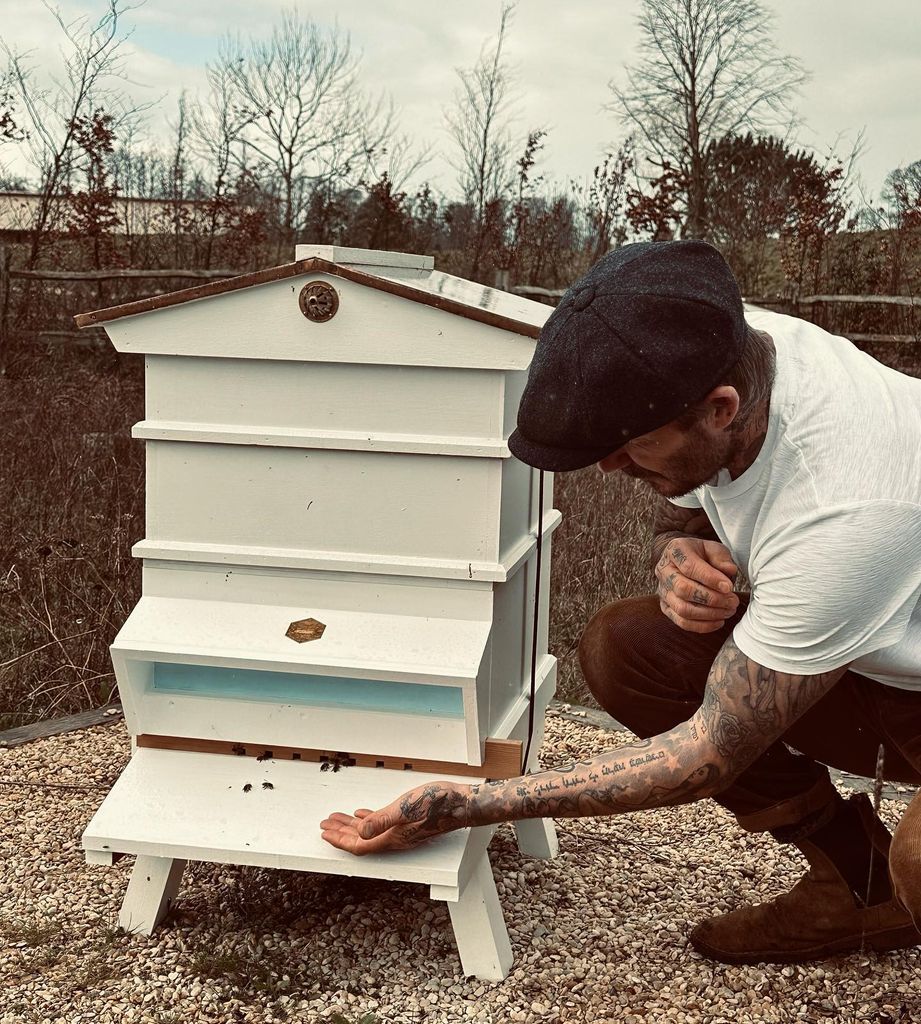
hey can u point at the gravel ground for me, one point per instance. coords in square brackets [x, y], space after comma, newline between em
[599, 934]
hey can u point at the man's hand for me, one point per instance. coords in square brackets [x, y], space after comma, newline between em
[695, 583]
[411, 819]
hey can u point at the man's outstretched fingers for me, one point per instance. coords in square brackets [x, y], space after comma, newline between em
[336, 818]
[343, 832]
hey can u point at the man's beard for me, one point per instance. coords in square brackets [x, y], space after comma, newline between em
[696, 464]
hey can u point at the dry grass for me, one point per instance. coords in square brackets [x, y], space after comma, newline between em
[71, 481]
[600, 554]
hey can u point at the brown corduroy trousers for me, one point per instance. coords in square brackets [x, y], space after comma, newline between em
[650, 675]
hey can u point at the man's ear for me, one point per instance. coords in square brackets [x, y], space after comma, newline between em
[722, 406]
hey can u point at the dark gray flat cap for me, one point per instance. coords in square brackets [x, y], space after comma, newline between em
[648, 331]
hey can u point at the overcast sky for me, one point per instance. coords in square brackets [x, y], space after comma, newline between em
[865, 62]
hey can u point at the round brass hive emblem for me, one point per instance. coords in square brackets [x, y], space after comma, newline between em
[318, 301]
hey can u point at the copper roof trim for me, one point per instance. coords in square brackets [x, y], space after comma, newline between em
[313, 265]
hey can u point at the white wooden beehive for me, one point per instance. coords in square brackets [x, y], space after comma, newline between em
[353, 472]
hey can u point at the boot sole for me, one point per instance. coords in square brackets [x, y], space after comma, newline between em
[879, 942]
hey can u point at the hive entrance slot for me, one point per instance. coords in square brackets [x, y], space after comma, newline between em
[502, 759]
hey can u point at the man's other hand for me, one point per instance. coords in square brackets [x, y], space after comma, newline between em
[695, 584]
[411, 819]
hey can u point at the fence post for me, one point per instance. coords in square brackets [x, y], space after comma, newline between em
[5, 256]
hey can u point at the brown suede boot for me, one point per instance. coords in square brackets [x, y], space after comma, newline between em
[905, 859]
[820, 917]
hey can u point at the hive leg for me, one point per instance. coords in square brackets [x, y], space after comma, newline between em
[479, 926]
[151, 890]
[537, 838]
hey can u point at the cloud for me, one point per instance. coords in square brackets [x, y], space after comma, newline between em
[865, 64]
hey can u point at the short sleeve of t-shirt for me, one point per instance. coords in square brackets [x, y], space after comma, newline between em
[833, 586]
[687, 501]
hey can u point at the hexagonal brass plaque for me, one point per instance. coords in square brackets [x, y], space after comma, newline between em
[305, 629]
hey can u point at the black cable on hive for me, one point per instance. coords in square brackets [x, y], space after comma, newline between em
[540, 531]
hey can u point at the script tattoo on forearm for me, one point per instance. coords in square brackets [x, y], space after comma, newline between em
[745, 709]
[649, 773]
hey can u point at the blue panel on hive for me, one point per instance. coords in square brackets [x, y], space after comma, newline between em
[318, 691]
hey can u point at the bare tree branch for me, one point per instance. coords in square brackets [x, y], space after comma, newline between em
[92, 60]
[300, 109]
[479, 126]
[708, 69]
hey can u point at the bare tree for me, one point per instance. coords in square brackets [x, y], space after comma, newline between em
[216, 127]
[708, 68]
[400, 159]
[479, 125]
[92, 59]
[176, 213]
[603, 201]
[306, 117]
[139, 171]
[901, 216]
[384, 217]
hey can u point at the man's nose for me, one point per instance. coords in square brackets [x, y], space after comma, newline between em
[616, 460]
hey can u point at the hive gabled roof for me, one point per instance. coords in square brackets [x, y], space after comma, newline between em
[456, 295]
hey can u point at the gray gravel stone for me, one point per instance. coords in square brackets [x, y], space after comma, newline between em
[599, 934]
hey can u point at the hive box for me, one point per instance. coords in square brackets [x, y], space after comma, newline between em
[339, 575]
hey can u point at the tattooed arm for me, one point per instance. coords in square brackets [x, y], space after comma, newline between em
[746, 707]
[673, 521]
[694, 571]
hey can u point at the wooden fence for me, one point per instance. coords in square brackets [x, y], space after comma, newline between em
[809, 306]
[8, 275]
[806, 306]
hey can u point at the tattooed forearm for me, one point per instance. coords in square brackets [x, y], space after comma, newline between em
[745, 709]
[649, 773]
[436, 808]
[746, 706]
[672, 521]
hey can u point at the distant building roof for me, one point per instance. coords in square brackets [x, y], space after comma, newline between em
[138, 215]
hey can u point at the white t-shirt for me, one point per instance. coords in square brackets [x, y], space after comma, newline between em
[827, 521]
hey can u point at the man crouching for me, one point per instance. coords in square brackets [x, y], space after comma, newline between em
[780, 450]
